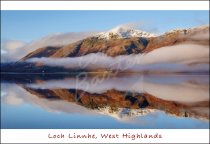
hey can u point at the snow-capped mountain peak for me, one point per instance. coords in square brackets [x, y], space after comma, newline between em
[124, 114]
[123, 32]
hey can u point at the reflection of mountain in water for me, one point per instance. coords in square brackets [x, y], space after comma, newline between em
[120, 101]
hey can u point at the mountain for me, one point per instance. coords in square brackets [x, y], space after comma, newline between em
[121, 41]
[185, 47]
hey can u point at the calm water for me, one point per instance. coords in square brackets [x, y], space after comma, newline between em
[105, 101]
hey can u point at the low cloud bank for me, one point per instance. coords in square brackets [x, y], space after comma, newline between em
[13, 50]
[177, 58]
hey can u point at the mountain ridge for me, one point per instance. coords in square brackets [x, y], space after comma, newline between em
[122, 45]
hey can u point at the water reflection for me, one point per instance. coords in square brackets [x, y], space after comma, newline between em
[105, 101]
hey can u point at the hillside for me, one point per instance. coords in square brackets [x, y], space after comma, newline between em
[124, 42]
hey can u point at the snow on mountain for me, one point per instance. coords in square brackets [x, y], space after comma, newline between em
[124, 114]
[123, 32]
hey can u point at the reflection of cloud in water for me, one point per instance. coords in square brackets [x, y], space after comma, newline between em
[192, 88]
[3, 93]
[12, 99]
[15, 93]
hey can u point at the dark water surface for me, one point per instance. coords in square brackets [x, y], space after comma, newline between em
[104, 101]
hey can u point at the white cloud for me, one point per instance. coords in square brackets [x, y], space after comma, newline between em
[13, 50]
[13, 45]
[131, 25]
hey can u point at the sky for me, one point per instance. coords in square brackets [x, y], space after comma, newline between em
[25, 31]
[30, 25]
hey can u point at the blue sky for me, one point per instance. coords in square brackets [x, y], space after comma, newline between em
[29, 25]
